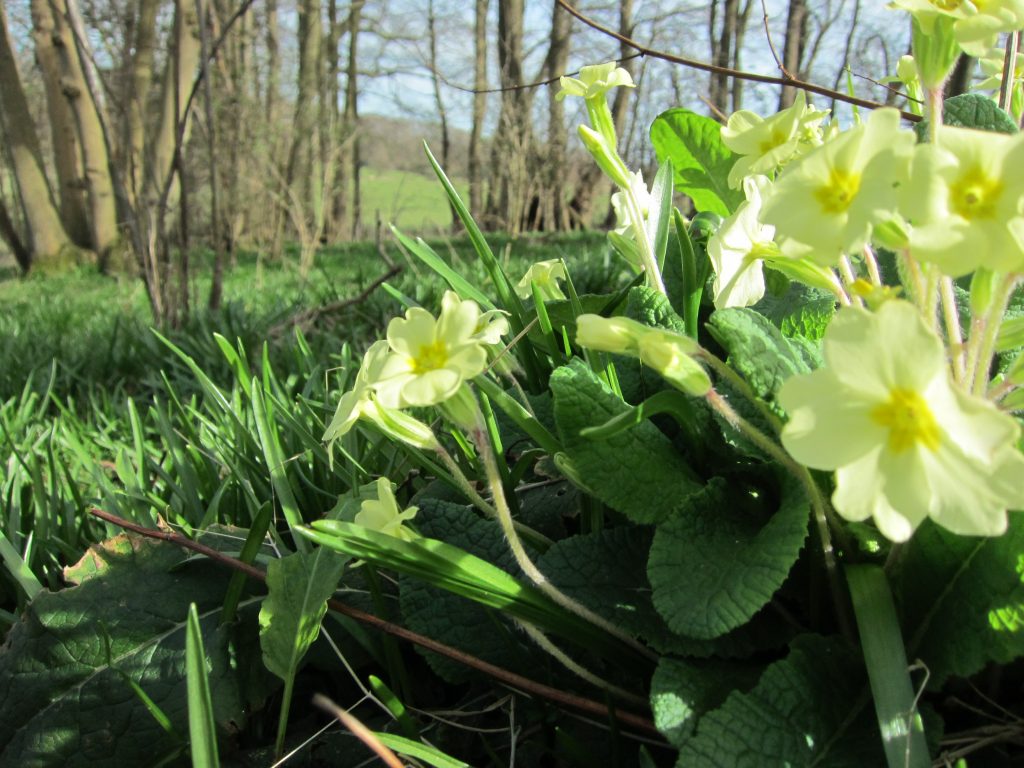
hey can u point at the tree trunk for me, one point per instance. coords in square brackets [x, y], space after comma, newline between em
[330, 122]
[352, 113]
[95, 159]
[138, 64]
[9, 234]
[555, 215]
[66, 151]
[476, 152]
[792, 55]
[49, 243]
[737, 56]
[446, 143]
[722, 51]
[512, 141]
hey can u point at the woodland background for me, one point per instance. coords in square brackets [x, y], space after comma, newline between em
[165, 135]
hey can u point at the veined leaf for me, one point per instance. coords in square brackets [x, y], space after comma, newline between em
[701, 161]
[717, 561]
[63, 701]
[636, 472]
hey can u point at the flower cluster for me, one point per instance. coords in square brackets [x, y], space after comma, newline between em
[906, 443]
[423, 361]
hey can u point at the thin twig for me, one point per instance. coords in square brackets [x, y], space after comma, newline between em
[511, 679]
[706, 67]
[771, 45]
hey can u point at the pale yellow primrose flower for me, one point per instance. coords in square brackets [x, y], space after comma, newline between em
[545, 274]
[595, 81]
[431, 358]
[382, 514]
[828, 200]
[738, 248]
[964, 201]
[766, 144]
[360, 403]
[904, 441]
[666, 352]
[623, 223]
[975, 24]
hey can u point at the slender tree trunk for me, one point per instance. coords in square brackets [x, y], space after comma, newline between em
[722, 50]
[66, 151]
[49, 243]
[446, 143]
[352, 113]
[476, 152]
[138, 64]
[555, 213]
[330, 122]
[95, 159]
[792, 55]
[737, 56]
[512, 142]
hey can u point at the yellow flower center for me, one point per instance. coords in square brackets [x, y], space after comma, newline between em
[431, 357]
[909, 420]
[777, 139]
[975, 195]
[838, 194]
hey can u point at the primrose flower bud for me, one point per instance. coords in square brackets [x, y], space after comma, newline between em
[604, 155]
[666, 352]
[545, 275]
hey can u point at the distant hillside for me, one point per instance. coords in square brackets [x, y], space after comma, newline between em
[397, 145]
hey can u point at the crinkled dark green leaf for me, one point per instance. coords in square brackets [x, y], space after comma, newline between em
[757, 349]
[682, 691]
[801, 311]
[607, 572]
[298, 588]
[963, 599]
[718, 561]
[807, 710]
[701, 161]
[971, 110]
[652, 308]
[64, 701]
[455, 620]
[637, 472]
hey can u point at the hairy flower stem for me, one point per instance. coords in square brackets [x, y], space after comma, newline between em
[741, 386]
[579, 670]
[849, 278]
[871, 263]
[523, 560]
[478, 501]
[647, 257]
[954, 337]
[987, 329]
[818, 504]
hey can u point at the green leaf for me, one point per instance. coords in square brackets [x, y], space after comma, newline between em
[717, 561]
[424, 752]
[806, 710]
[201, 729]
[459, 284]
[801, 311]
[607, 572]
[971, 110]
[702, 162]
[652, 308]
[757, 349]
[683, 691]
[298, 588]
[455, 620]
[636, 472]
[963, 599]
[63, 701]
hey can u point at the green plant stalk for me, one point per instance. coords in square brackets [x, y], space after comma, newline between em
[955, 338]
[720, 367]
[542, 641]
[990, 322]
[817, 501]
[523, 559]
[692, 287]
[19, 569]
[647, 255]
[251, 548]
[886, 660]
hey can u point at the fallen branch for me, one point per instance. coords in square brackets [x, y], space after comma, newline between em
[511, 679]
